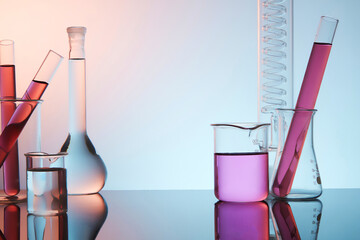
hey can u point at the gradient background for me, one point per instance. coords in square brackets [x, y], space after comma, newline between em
[160, 72]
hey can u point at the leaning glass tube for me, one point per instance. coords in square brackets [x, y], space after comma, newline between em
[275, 60]
[310, 87]
[23, 112]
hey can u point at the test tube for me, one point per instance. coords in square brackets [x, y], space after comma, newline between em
[310, 87]
[8, 91]
[23, 112]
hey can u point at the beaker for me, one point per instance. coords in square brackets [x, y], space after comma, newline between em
[12, 187]
[46, 183]
[302, 181]
[241, 220]
[53, 227]
[241, 161]
[296, 219]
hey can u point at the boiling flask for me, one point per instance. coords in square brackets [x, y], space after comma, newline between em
[86, 170]
[307, 182]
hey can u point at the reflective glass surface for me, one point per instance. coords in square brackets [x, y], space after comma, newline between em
[188, 214]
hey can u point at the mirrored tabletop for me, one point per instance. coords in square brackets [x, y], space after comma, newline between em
[187, 214]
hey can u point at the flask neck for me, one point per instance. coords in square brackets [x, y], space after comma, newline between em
[77, 81]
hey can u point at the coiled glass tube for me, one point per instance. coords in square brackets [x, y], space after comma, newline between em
[275, 57]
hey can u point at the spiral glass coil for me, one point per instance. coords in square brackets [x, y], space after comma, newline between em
[275, 56]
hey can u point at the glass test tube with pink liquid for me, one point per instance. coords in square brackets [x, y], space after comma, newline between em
[295, 139]
[22, 113]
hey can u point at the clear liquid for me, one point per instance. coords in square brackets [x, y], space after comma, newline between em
[86, 170]
[46, 191]
[300, 122]
[47, 227]
[241, 177]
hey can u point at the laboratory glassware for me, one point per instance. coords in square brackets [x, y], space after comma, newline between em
[306, 182]
[23, 112]
[54, 227]
[29, 140]
[241, 161]
[46, 183]
[241, 220]
[307, 98]
[296, 219]
[8, 91]
[86, 170]
[275, 61]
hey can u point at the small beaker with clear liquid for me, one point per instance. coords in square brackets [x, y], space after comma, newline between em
[291, 181]
[46, 183]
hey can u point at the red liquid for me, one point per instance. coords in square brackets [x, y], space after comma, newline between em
[20, 117]
[300, 123]
[12, 222]
[285, 221]
[11, 166]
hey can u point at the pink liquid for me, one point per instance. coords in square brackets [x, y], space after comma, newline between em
[300, 123]
[11, 165]
[241, 177]
[241, 221]
[285, 221]
[20, 117]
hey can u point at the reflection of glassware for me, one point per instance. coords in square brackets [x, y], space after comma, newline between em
[11, 217]
[241, 220]
[86, 170]
[29, 140]
[46, 183]
[12, 222]
[296, 219]
[8, 91]
[307, 97]
[53, 227]
[307, 182]
[275, 59]
[86, 210]
[241, 162]
[23, 112]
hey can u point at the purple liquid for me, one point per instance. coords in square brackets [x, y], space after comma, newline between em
[285, 221]
[241, 221]
[20, 117]
[11, 166]
[241, 177]
[300, 123]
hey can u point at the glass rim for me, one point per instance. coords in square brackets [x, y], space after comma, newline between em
[20, 100]
[242, 125]
[297, 110]
[44, 154]
[6, 42]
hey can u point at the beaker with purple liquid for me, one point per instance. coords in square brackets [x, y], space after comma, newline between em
[241, 161]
